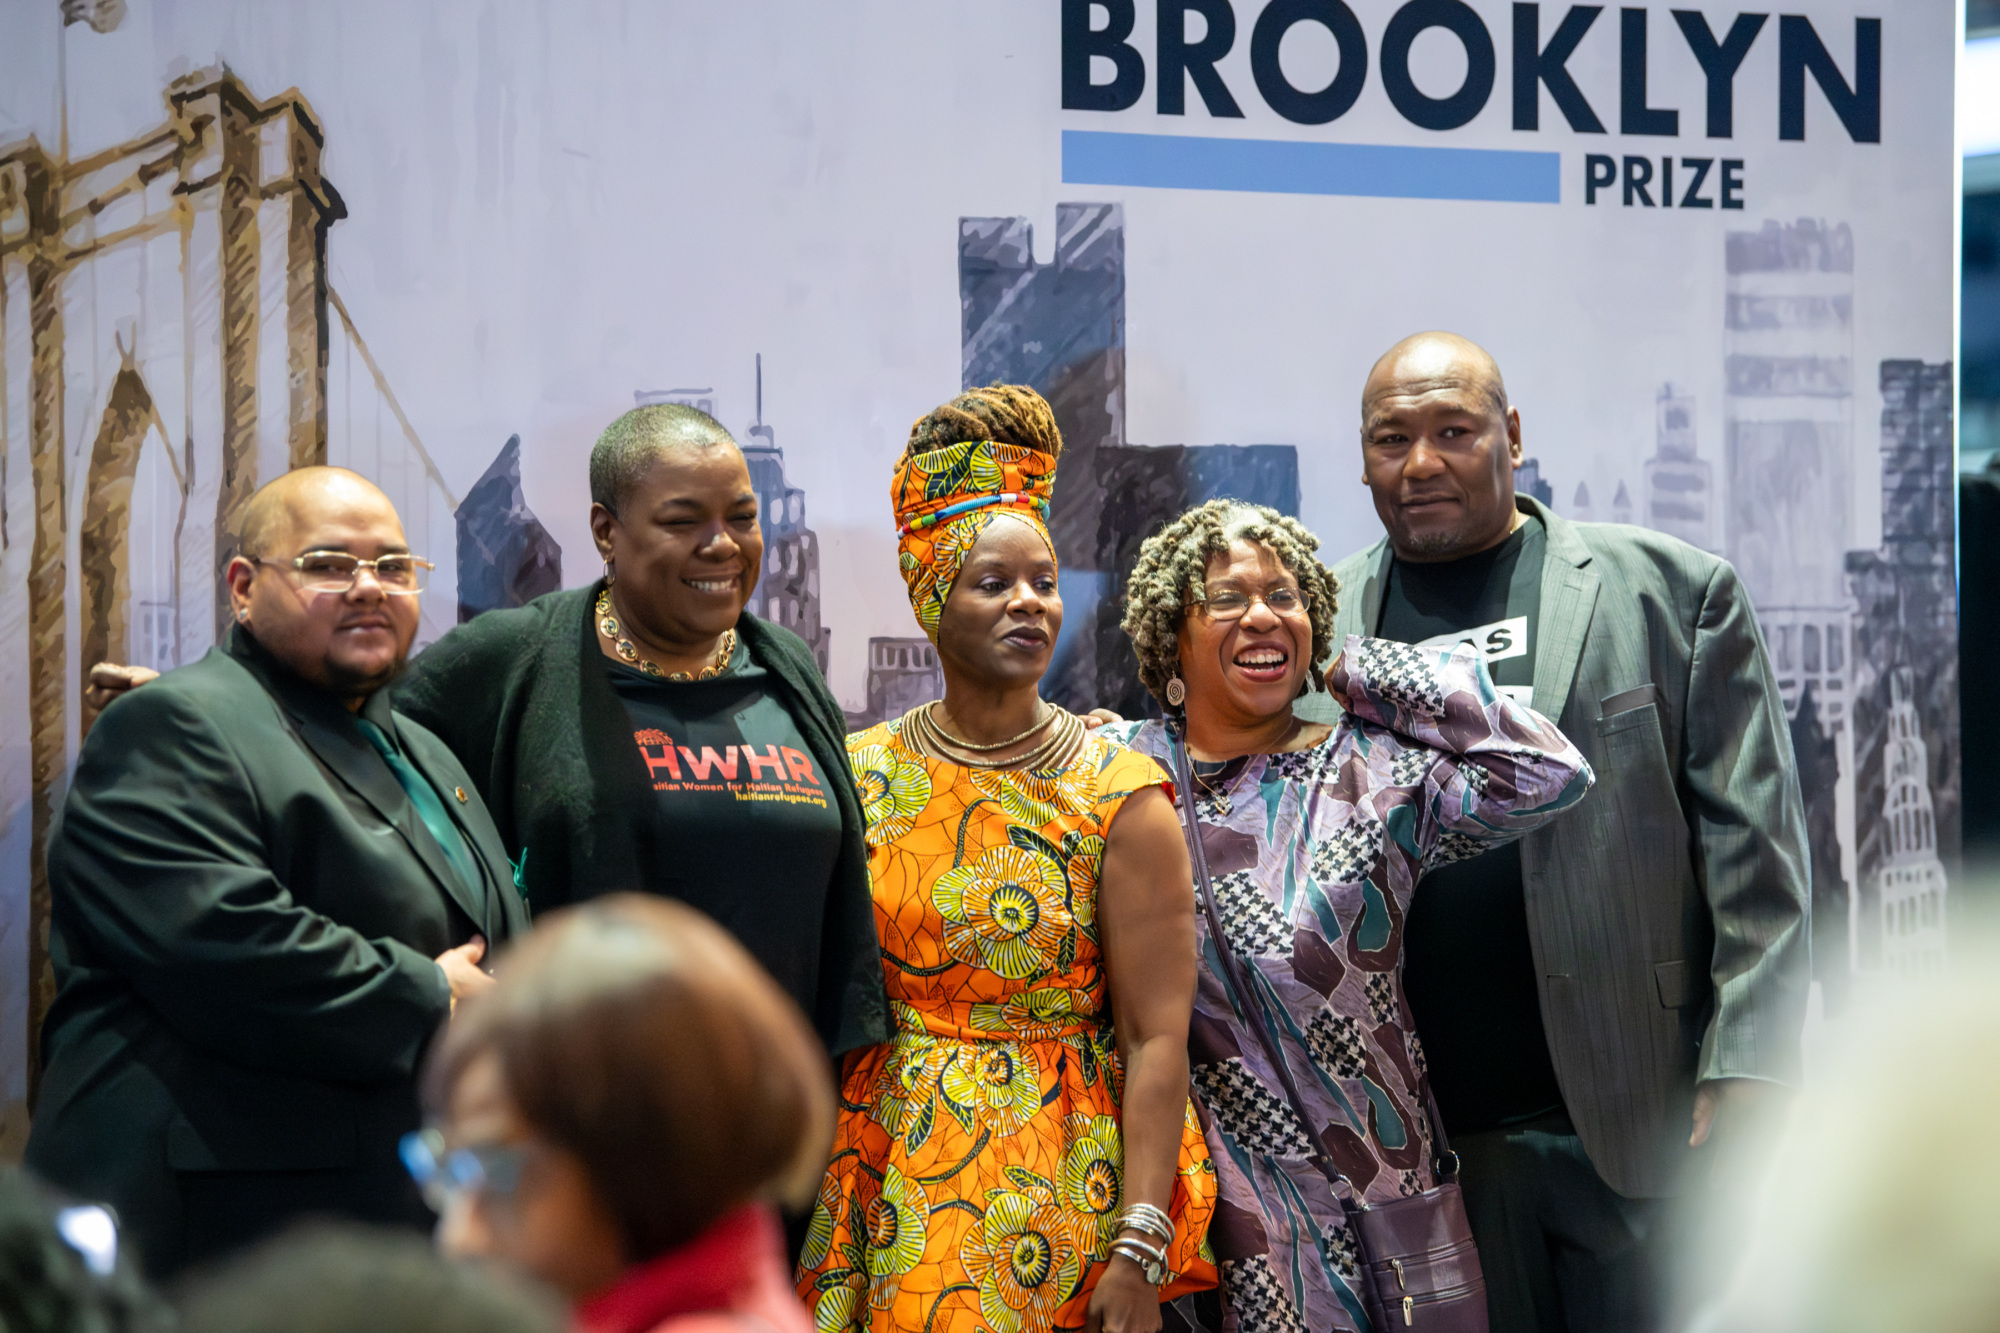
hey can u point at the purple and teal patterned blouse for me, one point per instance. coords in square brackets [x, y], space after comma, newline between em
[1314, 857]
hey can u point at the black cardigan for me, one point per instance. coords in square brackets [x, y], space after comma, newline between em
[522, 698]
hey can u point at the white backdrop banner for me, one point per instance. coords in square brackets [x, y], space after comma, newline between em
[445, 244]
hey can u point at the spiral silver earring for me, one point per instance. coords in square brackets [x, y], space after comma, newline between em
[1176, 691]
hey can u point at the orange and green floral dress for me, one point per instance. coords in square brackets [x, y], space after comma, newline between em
[978, 1170]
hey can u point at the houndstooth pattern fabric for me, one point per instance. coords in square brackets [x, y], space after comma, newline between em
[1247, 1111]
[1296, 765]
[1256, 1297]
[1315, 922]
[1348, 853]
[1381, 992]
[1409, 767]
[1342, 1251]
[1453, 847]
[1404, 676]
[1335, 1041]
[1250, 919]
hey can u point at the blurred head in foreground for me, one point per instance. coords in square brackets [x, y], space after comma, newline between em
[631, 1079]
[1878, 1206]
[61, 1270]
[348, 1279]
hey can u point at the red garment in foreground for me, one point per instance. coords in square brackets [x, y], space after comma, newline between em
[732, 1278]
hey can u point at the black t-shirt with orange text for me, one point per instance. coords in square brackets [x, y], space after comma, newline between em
[741, 799]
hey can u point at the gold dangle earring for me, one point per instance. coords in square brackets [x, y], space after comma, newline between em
[610, 574]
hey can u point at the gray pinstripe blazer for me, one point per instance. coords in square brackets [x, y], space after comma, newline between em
[1668, 911]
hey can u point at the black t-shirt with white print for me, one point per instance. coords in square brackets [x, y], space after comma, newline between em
[1469, 970]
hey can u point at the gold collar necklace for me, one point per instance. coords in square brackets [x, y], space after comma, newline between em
[628, 652]
[1045, 715]
[1056, 750]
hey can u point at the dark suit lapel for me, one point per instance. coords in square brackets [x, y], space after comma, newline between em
[481, 833]
[1569, 597]
[482, 839]
[347, 752]
[474, 899]
[329, 732]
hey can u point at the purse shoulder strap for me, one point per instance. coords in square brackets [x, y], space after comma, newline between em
[1233, 976]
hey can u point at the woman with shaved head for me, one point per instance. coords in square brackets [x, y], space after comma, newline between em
[649, 731]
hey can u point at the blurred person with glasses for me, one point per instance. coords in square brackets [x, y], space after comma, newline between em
[269, 889]
[621, 1116]
[1315, 835]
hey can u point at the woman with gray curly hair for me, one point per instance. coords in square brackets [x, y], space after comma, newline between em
[1315, 836]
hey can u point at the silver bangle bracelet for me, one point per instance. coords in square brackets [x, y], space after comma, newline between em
[1152, 1262]
[1149, 1219]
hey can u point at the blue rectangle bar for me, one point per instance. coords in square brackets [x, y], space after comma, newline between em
[1277, 166]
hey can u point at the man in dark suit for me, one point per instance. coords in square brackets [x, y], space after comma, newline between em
[268, 891]
[1597, 999]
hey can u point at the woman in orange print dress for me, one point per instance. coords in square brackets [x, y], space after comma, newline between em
[1021, 1155]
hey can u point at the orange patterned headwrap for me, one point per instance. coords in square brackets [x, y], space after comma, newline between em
[946, 497]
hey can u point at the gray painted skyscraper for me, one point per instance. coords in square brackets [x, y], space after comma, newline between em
[505, 556]
[1060, 328]
[1528, 480]
[1905, 681]
[788, 590]
[1679, 483]
[1788, 372]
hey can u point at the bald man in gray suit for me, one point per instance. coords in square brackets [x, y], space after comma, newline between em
[1601, 998]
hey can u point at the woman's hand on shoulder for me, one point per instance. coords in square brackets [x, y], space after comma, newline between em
[1336, 681]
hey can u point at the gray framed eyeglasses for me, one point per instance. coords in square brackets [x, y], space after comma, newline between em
[336, 571]
[1234, 603]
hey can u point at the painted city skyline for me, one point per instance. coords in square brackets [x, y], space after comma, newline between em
[398, 243]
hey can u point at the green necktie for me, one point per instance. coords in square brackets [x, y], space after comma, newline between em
[430, 807]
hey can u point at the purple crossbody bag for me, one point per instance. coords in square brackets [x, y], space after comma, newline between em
[1419, 1267]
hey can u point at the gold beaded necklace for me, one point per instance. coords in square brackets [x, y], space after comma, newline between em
[628, 652]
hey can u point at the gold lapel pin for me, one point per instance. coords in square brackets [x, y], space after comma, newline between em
[459, 792]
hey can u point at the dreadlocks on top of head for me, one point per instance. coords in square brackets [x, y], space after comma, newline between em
[1003, 413]
[1172, 570]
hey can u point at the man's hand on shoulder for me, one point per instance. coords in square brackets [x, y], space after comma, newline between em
[110, 680]
[461, 969]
